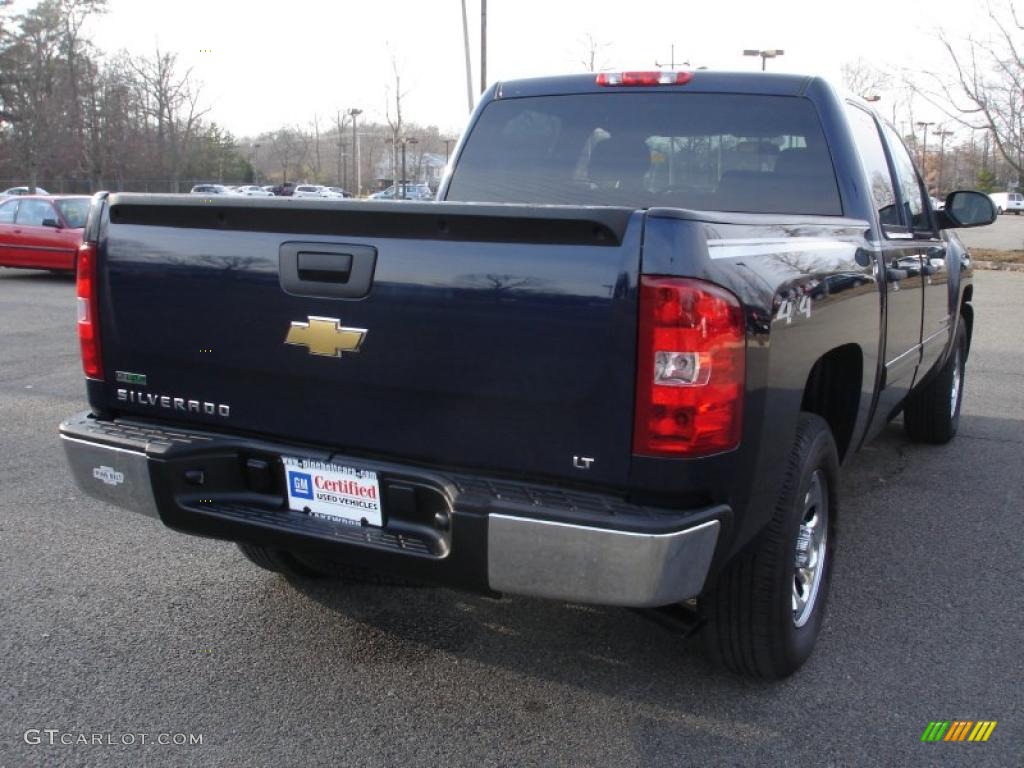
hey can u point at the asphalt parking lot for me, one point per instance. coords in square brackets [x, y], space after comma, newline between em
[110, 624]
[1007, 233]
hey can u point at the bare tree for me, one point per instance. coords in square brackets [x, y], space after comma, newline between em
[395, 122]
[315, 149]
[289, 151]
[986, 90]
[863, 79]
[592, 53]
[340, 121]
[172, 100]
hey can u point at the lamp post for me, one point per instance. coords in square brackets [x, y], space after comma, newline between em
[406, 140]
[769, 53]
[483, 45]
[354, 113]
[447, 152]
[343, 151]
[924, 144]
[942, 134]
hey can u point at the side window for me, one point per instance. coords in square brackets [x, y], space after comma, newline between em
[7, 211]
[33, 212]
[910, 186]
[872, 153]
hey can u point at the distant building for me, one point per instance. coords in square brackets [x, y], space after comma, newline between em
[425, 167]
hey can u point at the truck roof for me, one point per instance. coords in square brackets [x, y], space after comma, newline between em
[704, 81]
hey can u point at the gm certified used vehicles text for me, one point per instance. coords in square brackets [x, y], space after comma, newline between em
[620, 361]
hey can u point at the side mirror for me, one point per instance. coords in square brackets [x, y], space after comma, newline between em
[51, 223]
[965, 208]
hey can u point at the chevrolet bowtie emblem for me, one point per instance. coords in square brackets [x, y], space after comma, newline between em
[325, 336]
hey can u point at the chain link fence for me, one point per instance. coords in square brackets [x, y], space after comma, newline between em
[85, 187]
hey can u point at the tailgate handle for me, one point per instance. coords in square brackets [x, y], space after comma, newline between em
[325, 267]
[327, 270]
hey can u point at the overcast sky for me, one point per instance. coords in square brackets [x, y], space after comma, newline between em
[265, 63]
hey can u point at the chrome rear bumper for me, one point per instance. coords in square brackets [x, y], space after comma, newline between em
[494, 540]
[597, 565]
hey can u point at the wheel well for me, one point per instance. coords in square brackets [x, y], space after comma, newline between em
[967, 313]
[833, 392]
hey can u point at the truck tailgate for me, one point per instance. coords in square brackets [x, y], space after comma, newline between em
[497, 337]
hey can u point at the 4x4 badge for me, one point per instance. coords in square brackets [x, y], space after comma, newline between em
[325, 336]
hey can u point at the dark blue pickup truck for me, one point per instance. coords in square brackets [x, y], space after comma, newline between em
[619, 361]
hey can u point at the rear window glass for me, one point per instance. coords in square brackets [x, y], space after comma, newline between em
[757, 154]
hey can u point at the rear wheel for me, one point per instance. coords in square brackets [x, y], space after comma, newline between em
[932, 414]
[766, 609]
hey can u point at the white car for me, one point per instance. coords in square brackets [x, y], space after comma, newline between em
[15, 191]
[336, 193]
[308, 190]
[210, 189]
[252, 190]
[1008, 202]
[412, 192]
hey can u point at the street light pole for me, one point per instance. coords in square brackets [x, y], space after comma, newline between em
[942, 134]
[768, 53]
[672, 55]
[354, 113]
[343, 181]
[447, 153]
[469, 68]
[483, 45]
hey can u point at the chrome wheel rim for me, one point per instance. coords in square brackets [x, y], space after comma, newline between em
[954, 398]
[811, 544]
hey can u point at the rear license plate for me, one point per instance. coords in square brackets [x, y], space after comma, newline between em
[333, 492]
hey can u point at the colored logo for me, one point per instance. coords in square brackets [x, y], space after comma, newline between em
[958, 730]
[325, 336]
[302, 484]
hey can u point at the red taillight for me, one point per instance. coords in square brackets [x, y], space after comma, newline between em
[690, 369]
[88, 311]
[644, 78]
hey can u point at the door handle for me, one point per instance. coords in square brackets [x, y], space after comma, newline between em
[326, 270]
[894, 275]
[324, 267]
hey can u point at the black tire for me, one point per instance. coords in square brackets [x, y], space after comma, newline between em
[755, 625]
[932, 414]
[277, 560]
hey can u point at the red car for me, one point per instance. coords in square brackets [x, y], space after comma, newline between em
[42, 231]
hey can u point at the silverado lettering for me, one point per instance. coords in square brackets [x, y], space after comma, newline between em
[173, 403]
